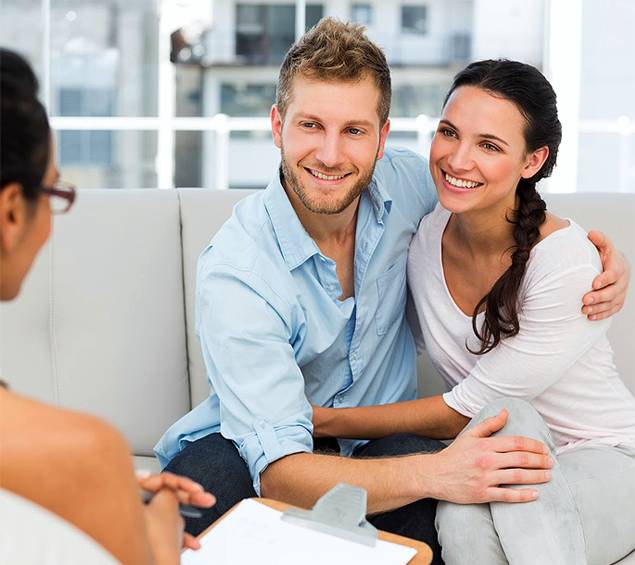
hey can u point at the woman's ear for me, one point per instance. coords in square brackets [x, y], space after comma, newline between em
[535, 160]
[13, 216]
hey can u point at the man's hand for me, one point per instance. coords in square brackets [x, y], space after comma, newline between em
[475, 466]
[609, 288]
[185, 490]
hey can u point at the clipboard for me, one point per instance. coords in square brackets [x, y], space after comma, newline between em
[340, 512]
[335, 515]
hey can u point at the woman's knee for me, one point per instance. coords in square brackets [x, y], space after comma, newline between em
[459, 526]
[520, 413]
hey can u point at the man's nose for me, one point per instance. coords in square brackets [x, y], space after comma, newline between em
[330, 150]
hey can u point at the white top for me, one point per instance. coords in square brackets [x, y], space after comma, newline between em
[31, 535]
[559, 361]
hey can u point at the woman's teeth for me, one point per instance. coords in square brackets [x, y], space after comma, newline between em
[459, 183]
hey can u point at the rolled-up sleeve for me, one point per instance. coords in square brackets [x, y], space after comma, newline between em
[246, 331]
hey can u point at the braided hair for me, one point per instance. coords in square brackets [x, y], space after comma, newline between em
[534, 97]
[25, 132]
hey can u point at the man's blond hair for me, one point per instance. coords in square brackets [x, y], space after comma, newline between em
[335, 51]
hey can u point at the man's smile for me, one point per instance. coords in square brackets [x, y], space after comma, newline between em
[325, 177]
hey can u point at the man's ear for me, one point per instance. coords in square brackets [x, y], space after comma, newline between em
[276, 126]
[13, 216]
[535, 160]
[383, 135]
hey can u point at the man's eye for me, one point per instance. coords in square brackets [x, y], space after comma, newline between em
[355, 131]
[309, 125]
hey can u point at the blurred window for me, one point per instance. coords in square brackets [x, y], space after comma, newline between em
[246, 99]
[414, 19]
[409, 100]
[314, 13]
[85, 147]
[264, 32]
[106, 44]
[108, 159]
[168, 67]
[362, 13]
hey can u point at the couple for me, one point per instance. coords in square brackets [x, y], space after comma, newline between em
[301, 315]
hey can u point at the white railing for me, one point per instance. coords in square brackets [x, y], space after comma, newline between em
[223, 125]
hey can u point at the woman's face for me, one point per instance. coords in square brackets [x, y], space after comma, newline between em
[478, 153]
[25, 225]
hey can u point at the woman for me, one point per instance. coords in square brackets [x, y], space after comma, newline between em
[496, 282]
[66, 479]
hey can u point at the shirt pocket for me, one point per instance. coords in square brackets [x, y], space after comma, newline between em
[391, 295]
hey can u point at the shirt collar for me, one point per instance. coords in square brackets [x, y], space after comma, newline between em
[295, 243]
[379, 197]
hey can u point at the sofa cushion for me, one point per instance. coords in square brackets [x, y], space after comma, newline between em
[99, 326]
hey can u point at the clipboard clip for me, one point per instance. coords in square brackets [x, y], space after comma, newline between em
[340, 512]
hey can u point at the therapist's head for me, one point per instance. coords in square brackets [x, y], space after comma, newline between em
[29, 187]
[330, 119]
[498, 136]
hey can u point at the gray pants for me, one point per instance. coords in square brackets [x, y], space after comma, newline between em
[585, 514]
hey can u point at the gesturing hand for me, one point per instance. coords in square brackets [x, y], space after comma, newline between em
[475, 467]
[185, 490]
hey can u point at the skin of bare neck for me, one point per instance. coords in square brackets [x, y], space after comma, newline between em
[483, 232]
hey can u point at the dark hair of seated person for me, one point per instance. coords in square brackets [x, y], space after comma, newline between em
[25, 132]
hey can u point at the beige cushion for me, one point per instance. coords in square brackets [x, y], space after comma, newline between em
[99, 326]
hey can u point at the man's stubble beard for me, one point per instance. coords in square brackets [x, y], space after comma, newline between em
[336, 207]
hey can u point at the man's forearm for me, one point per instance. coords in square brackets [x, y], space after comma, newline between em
[301, 478]
[475, 468]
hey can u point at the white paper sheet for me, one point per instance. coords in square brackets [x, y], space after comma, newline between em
[254, 533]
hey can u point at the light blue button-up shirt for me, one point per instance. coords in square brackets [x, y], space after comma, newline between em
[274, 335]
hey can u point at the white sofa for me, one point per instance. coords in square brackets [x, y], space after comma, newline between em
[105, 320]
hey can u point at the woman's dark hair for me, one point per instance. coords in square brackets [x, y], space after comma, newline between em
[534, 97]
[24, 127]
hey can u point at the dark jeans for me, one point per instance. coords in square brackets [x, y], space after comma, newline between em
[215, 463]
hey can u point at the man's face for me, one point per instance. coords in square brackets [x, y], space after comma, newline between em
[330, 139]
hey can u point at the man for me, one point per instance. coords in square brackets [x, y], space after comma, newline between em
[301, 300]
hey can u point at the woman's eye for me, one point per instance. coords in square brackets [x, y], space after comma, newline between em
[490, 147]
[447, 132]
